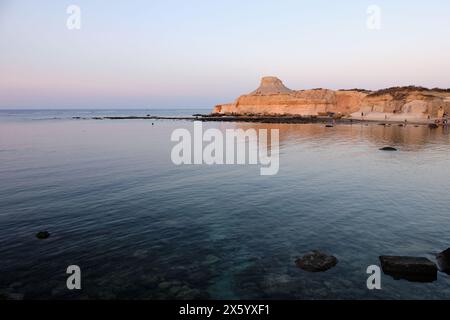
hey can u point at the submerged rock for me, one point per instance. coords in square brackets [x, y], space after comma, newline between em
[164, 285]
[11, 296]
[42, 235]
[316, 261]
[388, 149]
[433, 126]
[443, 260]
[211, 259]
[409, 268]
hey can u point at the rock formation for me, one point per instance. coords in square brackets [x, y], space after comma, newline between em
[409, 268]
[316, 261]
[443, 260]
[399, 103]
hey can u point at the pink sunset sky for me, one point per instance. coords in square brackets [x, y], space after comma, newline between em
[165, 54]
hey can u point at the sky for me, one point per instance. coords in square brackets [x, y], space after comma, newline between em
[199, 53]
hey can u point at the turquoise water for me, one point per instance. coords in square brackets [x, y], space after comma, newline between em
[141, 228]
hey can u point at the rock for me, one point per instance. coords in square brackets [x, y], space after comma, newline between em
[140, 253]
[329, 126]
[316, 261]
[271, 85]
[164, 285]
[443, 260]
[189, 294]
[42, 235]
[211, 259]
[433, 126]
[174, 290]
[152, 280]
[409, 268]
[388, 149]
[11, 296]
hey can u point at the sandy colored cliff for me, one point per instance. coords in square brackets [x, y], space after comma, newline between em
[401, 103]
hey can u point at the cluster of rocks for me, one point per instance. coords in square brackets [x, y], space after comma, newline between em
[416, 269]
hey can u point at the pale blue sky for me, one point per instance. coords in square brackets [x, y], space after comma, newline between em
[173, 53]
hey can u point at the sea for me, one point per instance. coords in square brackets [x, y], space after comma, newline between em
[140, 227]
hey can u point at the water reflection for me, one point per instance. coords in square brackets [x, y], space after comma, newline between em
[410, 137]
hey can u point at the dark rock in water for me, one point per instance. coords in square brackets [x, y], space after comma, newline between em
[382, 124]
[42, 235]
[443, 260]
[11, 296]
[433, 126]
[409, 268]
[388, 149]
[316, 261]
[329, 126]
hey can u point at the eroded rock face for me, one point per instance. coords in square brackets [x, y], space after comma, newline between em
[316, 261]
[271, 85]
[274, 98]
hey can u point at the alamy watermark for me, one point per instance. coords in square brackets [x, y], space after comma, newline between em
[374, 280]
[74, 20]
[227, 149]
[74, 280]
[374, 17]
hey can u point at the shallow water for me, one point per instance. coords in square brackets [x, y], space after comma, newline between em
[141, 228]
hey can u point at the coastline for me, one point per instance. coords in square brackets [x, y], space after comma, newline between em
[274, 119]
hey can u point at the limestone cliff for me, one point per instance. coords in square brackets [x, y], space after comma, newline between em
[274, 98]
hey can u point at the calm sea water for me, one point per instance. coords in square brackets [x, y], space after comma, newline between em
[141, 228]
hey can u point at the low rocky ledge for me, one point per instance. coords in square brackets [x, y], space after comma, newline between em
[409, 268]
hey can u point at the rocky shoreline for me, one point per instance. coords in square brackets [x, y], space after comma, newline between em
[267, 119]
